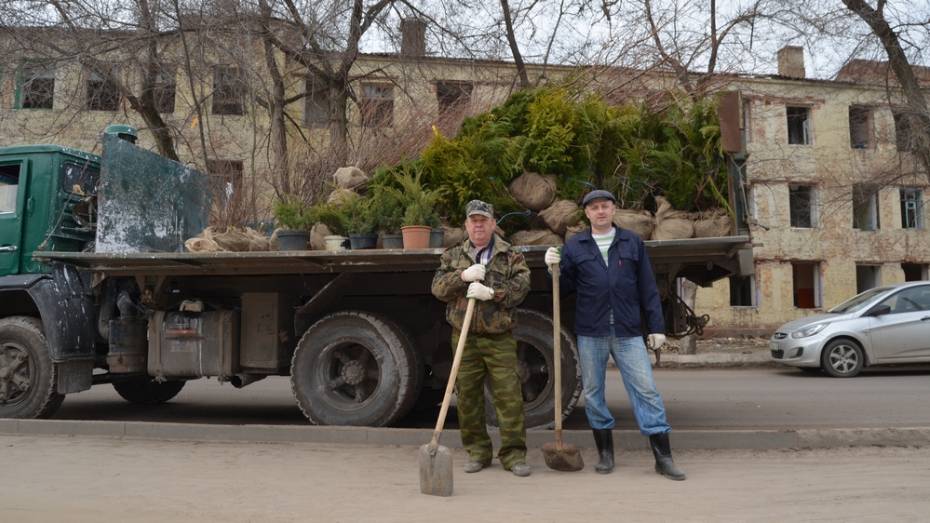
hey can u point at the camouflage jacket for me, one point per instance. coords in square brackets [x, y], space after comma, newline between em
[507, 273]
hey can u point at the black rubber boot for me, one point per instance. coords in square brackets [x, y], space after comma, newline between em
[663, 453]
[604, 439]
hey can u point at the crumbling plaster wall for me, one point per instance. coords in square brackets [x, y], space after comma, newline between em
[832, 167]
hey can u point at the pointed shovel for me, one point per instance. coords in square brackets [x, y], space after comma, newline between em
[559, 456]
[435, 459]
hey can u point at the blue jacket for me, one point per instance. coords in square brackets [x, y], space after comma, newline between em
[625, 285]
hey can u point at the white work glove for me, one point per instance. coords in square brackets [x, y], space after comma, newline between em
[479, 291]
[655, 340]
[553, 256]
[473, 273]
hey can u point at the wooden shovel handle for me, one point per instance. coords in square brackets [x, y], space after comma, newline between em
[557, 350]
[456, 362]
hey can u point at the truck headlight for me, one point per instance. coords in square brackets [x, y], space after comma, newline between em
[809, 331]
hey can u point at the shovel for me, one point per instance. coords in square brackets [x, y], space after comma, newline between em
[435, 459]
[558, 455]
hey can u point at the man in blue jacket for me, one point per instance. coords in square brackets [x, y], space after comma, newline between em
[608, 269]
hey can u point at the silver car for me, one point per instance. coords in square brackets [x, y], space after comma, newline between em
[884, 325]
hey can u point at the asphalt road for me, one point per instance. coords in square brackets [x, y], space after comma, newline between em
[769, 398]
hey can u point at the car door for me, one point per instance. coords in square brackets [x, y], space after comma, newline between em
[13, 183]
[904, 333]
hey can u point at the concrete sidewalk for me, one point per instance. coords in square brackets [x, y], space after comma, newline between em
[718, 353]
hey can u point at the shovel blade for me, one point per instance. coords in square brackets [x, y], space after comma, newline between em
[435, 470]
[564, 458]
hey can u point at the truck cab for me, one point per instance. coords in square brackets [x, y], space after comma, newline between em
[45, 203]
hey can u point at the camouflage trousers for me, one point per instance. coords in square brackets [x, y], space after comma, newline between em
[494, 356]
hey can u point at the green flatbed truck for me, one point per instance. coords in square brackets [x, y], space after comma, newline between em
[85, 299]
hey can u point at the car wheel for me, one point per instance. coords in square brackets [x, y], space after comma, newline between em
[27, 374]
[533, 332]
[842, 358]
[354, 368]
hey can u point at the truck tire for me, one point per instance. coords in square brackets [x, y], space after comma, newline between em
[27, 374]
[533, 332]
[355, 368]
[143, 390]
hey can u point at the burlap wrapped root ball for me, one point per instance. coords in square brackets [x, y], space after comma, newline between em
[537, 237]
[640, 222]
[340, 197]
[711, 224]
[317, 234]
[574, 229]
[670, 223]
[560, 216]
[533, 191]
[452, 236]
[349, 178]
[203, 242]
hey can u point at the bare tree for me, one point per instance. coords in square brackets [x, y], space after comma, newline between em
[917, 116]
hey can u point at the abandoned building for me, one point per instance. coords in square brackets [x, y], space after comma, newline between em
[837, 204]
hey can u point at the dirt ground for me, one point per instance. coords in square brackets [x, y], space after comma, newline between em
[94, 479]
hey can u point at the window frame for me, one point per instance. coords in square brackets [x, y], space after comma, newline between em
[22, 82]
[227, 99]
[96, 98]
[812, 204]
[371, 107]
[868, 127]
[807, 135]
[918, 202]
[817, 290]
[874, 211]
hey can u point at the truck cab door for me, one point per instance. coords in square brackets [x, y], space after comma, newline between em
[13, 185]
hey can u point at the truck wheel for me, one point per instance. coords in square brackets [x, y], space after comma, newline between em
[27, 374]
[143, 390]
[355, 368]
[533, 332]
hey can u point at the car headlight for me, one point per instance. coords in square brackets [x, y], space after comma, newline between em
[809, 331]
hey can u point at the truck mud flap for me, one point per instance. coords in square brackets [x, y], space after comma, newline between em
[68, 315]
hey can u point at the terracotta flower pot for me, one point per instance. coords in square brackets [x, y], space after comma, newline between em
[416, 236]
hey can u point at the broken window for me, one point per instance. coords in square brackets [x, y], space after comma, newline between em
[164, 88]
[865, 207]
[316, 110]
[377, 105]
[867, 277]
[228, 88]
[9, 186]
[802, 207]
[453, 96]
[798, 125]
[914, 271]
[912, 208]
[860, 127]
[36, 86]
[742, 291]
[806, 284]
[227, 178]
[903, 132]
[102, 91]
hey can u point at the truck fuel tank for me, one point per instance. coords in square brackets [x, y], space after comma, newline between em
[194, 344]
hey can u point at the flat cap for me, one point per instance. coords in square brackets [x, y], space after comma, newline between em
[597, 195]
[479, 207]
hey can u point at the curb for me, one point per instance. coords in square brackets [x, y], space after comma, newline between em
[625, 439]
[672, 360]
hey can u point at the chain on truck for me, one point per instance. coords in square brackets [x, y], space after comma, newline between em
[95, 289]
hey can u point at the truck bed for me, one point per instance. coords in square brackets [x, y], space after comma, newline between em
[718, 250]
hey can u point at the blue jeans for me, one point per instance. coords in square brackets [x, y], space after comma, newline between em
[631, 358]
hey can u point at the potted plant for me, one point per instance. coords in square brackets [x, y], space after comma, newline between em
[387, 211]
[292, 216]
[419, 211]
[360, 224]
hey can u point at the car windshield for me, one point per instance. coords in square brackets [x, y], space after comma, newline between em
[857, 302]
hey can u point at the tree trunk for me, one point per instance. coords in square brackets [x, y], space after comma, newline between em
[514, 48]
[279, 151]
[338, 123]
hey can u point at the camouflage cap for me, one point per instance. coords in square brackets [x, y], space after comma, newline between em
[479, 207]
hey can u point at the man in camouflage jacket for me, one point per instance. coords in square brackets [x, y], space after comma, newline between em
[485, 267]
